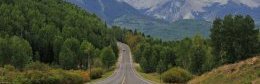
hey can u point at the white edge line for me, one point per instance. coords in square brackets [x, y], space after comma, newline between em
[136, 73]
[116, 71]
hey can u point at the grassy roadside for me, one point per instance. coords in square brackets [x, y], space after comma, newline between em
[154, 77]
[243, 72]
[104, 76]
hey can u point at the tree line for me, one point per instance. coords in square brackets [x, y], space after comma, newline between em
[232, 39]
[54, 32]
[65, 36]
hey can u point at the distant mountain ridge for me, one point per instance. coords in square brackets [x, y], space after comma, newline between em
[161, 18]
[173, 10]
[108, 10]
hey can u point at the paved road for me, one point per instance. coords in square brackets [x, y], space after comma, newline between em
[125, 74]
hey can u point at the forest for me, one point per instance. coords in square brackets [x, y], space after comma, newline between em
[54, 42]
[55, 34]
[233, 38]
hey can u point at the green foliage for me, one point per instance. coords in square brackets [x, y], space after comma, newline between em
[8, 73]
[47, 32]
[176, 75]
[37, 66]
[160, 67]
[194, 55]
[183, 55]
[38, 73]
[234, 38]
[15, 51]
[96, 73]
[176, 30]
[149, 52]
[9, 68]
[87, 51]
[21, 52]
[199, 55]
[38, 77]
[69, 54]
[5, 52]
[108, 57]
[51, 77]
[144, 65]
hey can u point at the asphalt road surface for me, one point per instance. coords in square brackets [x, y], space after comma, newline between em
[125, 73]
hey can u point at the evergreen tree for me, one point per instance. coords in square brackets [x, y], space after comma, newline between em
[108, 57]
[68, 57]
[5, 52]
[87, 50]
[21, 52]
[234, 38]
[198, 55]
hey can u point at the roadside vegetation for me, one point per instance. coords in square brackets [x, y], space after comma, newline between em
[54, 42]
[39, 73]
[232, 39]
[59, 42]
[244, 72]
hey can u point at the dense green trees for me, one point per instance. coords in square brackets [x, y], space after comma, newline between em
[15, 51]
[193, 54]
[234, 38]
[199, 55]
[21, 52]
[87, 53]
[65, 35]
[69, 54]
[145, 57]
[72, 39]
[108, 57]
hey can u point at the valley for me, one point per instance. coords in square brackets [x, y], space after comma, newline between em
[129, 42]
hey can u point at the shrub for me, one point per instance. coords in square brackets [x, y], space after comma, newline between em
[8, 73]
[39, 73]
[52, 77]
[96, 73]
[37, 66]
[40, 77]
[85, 76]
[176, 75]
[72, 78]
[9, 68]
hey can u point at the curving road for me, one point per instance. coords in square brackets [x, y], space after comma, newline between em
[125, 74]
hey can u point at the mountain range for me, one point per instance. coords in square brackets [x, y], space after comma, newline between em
[168, 19]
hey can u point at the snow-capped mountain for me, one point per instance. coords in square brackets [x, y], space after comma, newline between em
[168, 19]
[172, 10]
[108, 10]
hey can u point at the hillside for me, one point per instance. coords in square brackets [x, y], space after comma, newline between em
[244, 72]
[173, 10]
[160, 18]
[57, 33]
[122, 14]
[165, 30]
